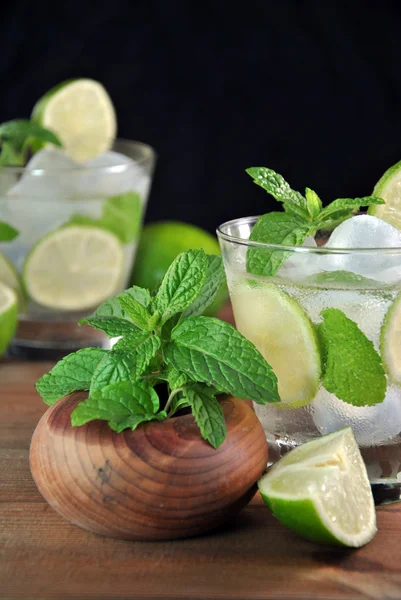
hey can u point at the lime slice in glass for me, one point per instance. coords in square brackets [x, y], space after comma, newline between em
[283, 333]
[74, 268]
[9, 276]
[389, 188]
[8, 315]
[321, 491]
[81, 114]
[390, 341]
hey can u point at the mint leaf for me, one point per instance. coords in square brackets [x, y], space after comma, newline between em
[112, 307]
[273, 183]
[314, 204]
[71, 374]
[175, 378]
[345, 207]
[208, 292]
[9, 157]
[135, 311]
[178, 403]
[342, 280]
[353, 368]
[124, 405]
[274, 228]
[207, 412]
[112, 326]
[115, 367]
[7, 232]
[182, 283]
[211, 351]
[139, 348]
[123, 216]
[18, 131]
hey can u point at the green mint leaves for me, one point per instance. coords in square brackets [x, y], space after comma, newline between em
[7, 232]
[164, 339]
[353, 370]
[122, 215]
[17, 138]
[302, 216]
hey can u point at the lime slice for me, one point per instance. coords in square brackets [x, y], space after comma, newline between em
[9, 276]
[283, 333]
[74, 268]
[81, 113]
[389, 188]
[390, 341]
[321, 491]
[8, 315]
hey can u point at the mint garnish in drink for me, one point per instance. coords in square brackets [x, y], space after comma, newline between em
[303, 216]
[353, 369]
[164, 339]
[7, 232]
[17, 138]
[122, 215]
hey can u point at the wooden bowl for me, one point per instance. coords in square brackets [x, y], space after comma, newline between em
[162, 481]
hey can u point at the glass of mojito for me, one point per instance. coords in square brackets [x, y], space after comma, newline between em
[318, 291]
[78, 211]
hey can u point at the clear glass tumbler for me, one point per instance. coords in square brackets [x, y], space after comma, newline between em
[279, 315]
[46, 196]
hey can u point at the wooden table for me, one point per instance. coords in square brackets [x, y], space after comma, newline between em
[42, 556]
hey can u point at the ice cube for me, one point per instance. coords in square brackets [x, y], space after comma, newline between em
[300, 264]
[111, 174]
[48, 173]
[363, 231]
[371, 424]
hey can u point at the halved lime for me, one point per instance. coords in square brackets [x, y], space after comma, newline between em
[389, 189]
[9, 276]
[8, 315]
[321, 491]
[390, 341]
[74, 268]
[81, 113]
[283, 333]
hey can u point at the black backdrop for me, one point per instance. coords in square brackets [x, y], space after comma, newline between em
[309, 88]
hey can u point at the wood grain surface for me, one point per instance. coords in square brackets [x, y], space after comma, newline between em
[42, 556]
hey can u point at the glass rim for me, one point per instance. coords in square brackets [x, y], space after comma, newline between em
[290, 248]
[147, 151]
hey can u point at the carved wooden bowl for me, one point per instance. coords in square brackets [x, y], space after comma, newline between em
[162, 481]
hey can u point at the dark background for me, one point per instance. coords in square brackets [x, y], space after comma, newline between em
[311, 89]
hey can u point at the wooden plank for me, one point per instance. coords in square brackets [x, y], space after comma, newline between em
[44, 557]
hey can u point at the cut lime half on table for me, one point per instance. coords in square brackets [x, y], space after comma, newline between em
[74, 268]
[81, 114]
[389, 189]
[321, 491]
[8, 315]
[285, 336]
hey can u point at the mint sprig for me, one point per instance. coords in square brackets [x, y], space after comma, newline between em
[7, 232]
[164, 340]
[353, 369]
[17, 138]
[302, 216]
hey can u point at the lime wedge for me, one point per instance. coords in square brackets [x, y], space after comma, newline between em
[389, 189]
[283, 333]
[74, 268]
[9, 276]
[321, 491]
[82, 115]
[8, 315]
[390, 341]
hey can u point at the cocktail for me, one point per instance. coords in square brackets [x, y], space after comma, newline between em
[317, 290]
[78, 211]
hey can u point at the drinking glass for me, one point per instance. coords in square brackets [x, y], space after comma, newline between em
[363, 284]
[43, 197]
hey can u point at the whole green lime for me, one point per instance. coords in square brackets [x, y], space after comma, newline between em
[159, 245]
